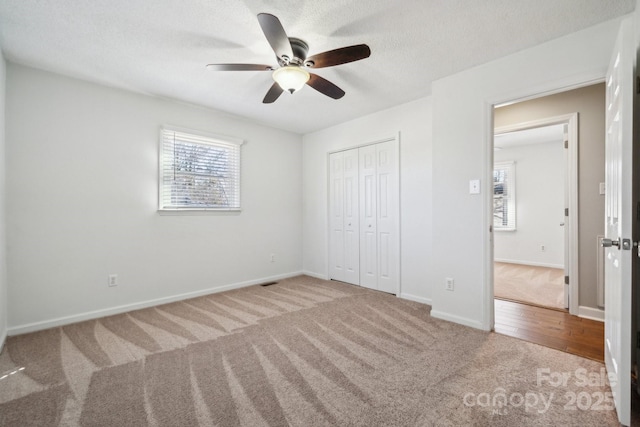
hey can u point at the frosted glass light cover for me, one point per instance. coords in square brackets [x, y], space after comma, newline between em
[291, 78]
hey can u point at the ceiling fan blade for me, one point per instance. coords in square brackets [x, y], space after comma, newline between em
[325, 87]
[239, 67]
[275, 34]
[339, 56]
[273, 94]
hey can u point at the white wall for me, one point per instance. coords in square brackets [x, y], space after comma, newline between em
[539, 206]
[3, 240]
[82, 170]
[413, 121]
[462, 132]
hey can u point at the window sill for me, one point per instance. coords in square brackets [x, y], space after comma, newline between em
[197, 212]
[504, 229]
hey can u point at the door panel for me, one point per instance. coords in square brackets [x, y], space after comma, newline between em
[364, 208]
[368, 223]
[336, 219]
[351, 218]
[388, 229]
[618, 217]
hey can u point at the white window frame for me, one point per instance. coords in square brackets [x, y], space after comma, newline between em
[165, 165]
[510, 167]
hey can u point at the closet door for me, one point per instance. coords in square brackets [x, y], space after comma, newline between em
[351, 218]
[344, 245]
[388, 214]
[368, 218]
[336, 216]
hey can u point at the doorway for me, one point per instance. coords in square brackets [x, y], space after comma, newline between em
[530, 186]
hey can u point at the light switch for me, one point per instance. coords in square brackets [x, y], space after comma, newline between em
[474, 186]
[602, 189]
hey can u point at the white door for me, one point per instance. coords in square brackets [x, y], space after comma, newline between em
[387, 216]
[364, 216]
[344, 256]
[368, 218]
[351, 218]
[618, 217]
[336, 216]
[565, 217]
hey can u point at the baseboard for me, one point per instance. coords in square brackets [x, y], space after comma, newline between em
[316, 275]
[415, 298]
[531, 263]
[591, 313]
[3, 339]
[456, 319]
[66, 320]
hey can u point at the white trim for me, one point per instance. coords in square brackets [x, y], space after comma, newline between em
[591, 313]
[531, 263]
[457, 319]
[415, 298]
[3, 339]
[576, 81]
[60, 321]
[572, 203]
[219, 137]
[315, 275]
[364, 144]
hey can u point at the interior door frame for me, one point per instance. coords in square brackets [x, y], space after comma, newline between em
[571, 200]
[398, 141]
[523, 94]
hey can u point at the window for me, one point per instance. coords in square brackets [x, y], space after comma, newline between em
[504, 196]
[198, 172]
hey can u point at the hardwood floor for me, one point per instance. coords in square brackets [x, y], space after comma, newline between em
[551, 328]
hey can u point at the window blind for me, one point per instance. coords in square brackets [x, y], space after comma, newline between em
[198, 172]
[504, 200]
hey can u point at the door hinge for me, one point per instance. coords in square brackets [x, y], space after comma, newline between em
[638, 339]
[566, 280]
[638, 211]
[638, 84]
[566, 211]
[566, 144]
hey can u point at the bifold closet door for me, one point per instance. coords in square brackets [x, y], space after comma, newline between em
[368, 217]
[379, 217]
[344, 245]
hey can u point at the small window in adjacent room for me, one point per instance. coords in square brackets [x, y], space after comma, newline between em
[504, 196]
[198, 172]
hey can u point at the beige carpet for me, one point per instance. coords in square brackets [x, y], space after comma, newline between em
[535, 285]
[304, 352]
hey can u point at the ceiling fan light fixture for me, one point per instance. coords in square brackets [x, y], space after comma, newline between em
[291, 78]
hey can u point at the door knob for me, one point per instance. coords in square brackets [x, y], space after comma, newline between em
[607, 243]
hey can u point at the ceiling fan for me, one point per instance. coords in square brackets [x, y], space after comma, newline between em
[291, 53]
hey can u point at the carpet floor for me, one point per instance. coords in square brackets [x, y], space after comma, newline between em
[541, 286]
[303, 352]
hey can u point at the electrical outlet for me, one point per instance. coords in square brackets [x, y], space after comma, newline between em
[543, 248]
[112, 280]
[448, 284]
[273, 257]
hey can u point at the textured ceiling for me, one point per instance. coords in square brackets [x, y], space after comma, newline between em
[161, 47]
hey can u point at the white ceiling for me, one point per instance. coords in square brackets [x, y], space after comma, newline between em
[161, 47]
[539, 135]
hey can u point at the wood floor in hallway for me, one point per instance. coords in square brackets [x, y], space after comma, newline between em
[551, 328]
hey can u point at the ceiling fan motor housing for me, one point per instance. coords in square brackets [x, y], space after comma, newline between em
[300, 50]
